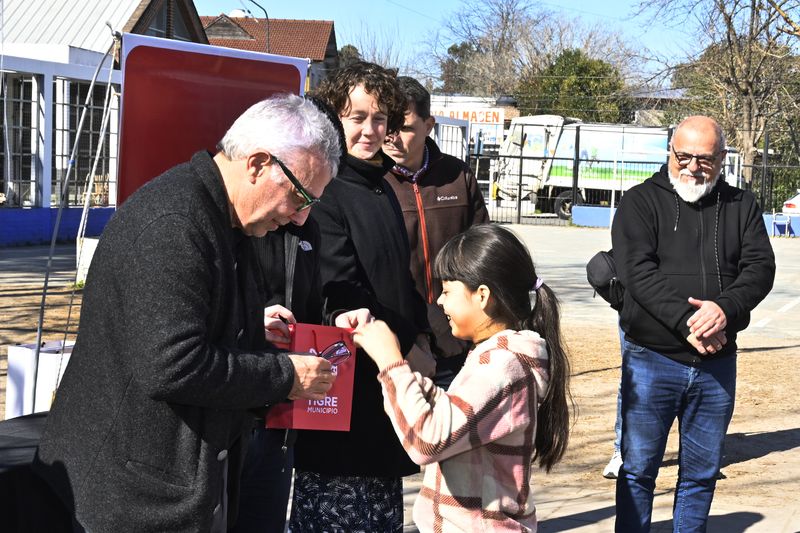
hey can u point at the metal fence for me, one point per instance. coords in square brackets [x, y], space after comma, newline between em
[771, 183]
[450, 135]
[594, 182]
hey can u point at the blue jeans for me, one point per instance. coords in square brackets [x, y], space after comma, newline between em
[265, 482]
[656, 390]
[618, 420]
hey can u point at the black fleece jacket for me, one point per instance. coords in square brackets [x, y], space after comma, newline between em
[667, 250]
[364, 258]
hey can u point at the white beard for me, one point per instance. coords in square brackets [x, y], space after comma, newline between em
[691, 192]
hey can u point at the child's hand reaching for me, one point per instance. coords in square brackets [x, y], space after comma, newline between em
[379, 342]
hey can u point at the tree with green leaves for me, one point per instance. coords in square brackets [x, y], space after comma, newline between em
[578, 86]
[494, 43]
[348, 54]
[454, 67]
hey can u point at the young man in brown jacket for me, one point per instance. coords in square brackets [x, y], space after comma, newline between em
[440, 198]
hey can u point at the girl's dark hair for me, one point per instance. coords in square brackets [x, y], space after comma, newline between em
[377, 81]
[491, 255]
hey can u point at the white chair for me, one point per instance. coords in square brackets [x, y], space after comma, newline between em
[782, 219]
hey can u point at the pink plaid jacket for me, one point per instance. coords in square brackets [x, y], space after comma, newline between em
[478, 436]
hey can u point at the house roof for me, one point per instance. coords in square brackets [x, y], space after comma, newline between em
[660, 94]
[84, 23]
[288, 37]
[79, 23]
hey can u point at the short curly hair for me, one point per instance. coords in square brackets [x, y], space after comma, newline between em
[377, 81]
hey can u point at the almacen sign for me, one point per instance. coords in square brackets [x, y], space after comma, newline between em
[484, 121]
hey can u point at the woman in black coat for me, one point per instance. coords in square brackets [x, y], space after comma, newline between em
[352, 480]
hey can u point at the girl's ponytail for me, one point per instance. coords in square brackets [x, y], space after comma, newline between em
[552, 427]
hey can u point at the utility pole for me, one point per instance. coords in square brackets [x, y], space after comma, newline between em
[266, 16]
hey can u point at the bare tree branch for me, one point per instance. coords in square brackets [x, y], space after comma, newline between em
[793, 27]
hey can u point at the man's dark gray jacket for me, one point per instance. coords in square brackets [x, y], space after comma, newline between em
[166, 363]
[667, 250]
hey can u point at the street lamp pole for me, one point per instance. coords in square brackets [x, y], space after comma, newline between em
[266, 16]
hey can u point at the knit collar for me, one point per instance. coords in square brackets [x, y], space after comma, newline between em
[409, 174]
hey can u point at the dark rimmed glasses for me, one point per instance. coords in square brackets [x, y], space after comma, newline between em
[336, 354]
[706, 162]
[308, 199]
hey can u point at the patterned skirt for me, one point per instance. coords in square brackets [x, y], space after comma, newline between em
[351, 504]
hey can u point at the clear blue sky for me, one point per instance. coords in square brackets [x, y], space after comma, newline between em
[419, 18]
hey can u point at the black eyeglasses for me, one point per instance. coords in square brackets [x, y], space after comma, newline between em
[336, 354]
[308, 200]
[706, 162]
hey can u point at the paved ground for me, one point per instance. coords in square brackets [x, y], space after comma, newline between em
[26, 265]
[581, 506]
[584, 502]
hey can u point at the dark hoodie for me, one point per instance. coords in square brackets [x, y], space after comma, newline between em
[668, 250]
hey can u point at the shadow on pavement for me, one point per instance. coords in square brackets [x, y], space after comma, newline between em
[762, 349]
[726, 523]
[741, 447]
[574, 521]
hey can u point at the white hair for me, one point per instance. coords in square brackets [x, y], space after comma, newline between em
[283, 125]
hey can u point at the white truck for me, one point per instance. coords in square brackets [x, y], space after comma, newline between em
[537, 162]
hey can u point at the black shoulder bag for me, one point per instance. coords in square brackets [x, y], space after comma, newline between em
[601, 273]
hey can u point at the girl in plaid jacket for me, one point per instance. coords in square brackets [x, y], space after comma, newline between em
[506, 409]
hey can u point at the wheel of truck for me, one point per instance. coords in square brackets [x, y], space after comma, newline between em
[563, 204]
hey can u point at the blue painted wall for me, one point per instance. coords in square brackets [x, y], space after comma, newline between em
[591, 216]
[780, 228]
[20, 227]
[598, 217]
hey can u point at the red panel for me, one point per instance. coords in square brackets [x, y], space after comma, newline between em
[175, 103]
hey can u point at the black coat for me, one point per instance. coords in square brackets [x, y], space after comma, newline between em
[667, 250]
[364, 263]
[156, 394]
[294, 250]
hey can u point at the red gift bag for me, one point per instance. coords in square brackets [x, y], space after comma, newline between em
[333, 412]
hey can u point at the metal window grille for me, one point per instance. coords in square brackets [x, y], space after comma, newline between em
[19, 171]
[68, 104]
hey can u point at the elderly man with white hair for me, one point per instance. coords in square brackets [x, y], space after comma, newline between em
[146, 430]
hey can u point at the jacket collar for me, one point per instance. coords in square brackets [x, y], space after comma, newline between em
[364, 172]
[433, 150]
[434, 154]
[211, 178]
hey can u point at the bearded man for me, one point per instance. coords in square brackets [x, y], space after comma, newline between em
[695, 259]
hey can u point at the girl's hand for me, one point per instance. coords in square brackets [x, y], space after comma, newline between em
[379, 342]
[276, 318]
[354, 318]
